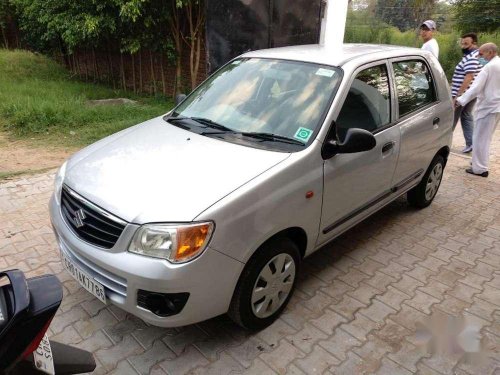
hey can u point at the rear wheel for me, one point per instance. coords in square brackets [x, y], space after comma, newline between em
[423, 194]
[266, 284]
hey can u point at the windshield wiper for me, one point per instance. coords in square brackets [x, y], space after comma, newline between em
[273, 138]
[211, 124]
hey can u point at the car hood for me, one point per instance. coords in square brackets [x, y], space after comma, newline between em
[158, 172]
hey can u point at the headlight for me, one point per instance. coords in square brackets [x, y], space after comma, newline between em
[176, 243]
[58, 182]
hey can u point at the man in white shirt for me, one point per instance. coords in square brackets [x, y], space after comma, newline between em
[427, 34]
[486, 89]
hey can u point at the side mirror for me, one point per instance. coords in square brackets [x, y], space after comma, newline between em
[356, 140]
[179, 98]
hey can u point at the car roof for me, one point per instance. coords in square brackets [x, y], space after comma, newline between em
[327, 55]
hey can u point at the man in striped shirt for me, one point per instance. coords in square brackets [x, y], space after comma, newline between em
[463, 76]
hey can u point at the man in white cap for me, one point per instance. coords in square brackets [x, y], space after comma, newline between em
[427, 29]
[486, 89]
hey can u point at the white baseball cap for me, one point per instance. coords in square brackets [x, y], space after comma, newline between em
[430, 24]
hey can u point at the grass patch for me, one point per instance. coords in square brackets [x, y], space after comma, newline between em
[39, 99]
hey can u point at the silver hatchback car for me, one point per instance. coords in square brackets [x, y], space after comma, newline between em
[212, 207]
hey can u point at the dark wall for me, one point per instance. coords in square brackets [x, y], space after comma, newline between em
[236, 26]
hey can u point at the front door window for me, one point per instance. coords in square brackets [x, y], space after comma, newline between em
[367, 105]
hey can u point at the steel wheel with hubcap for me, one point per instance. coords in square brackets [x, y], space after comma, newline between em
[273, 285]
[266, 284]
[423, 194]
[433, 181]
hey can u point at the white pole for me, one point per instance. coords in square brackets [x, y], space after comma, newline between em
[333, 24]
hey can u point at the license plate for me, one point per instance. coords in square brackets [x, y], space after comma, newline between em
[84, 279]
[43, 357]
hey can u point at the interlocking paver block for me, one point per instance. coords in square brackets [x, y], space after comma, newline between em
[377, 311]
[422, 301]
[360, 327]
[65, 319]
[118, 331]
[306, 338]
[317, 361]
[98, 341]
[190, 359]
[365, 293]
[337, 289]
[275, 332]
[348, 307]
[250, 349]
[372, 351]
[420, 273]
[393, 334]
[318, 303]
[380, 281]
[391, 368]
[393, 297]
[87, 327]
[143, 362]
[340, 343]
[328, 321]
[282, 356]
[259, 368]
[408, 355]
[109, 358]
[353, 365]
[297, 316]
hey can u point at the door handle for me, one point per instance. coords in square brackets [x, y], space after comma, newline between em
[435, 121]
[388, 146]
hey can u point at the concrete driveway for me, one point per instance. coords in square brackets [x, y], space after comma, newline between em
[356, 308]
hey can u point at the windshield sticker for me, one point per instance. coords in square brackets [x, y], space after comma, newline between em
[325, 72]
[236, 62]
[303, 134]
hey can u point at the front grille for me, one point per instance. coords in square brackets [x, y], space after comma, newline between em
[89, 222]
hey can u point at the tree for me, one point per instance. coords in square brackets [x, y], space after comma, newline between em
[4, 19]
[404, 14]
[477, 15]
[195, 14]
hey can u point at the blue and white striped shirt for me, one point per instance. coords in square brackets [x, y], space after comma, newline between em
[468, 64]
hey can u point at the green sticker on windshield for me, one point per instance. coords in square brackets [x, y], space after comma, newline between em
[303, 134]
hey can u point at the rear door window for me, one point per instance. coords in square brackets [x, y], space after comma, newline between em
[414, 85]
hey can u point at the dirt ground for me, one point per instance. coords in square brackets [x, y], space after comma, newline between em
[22, 156]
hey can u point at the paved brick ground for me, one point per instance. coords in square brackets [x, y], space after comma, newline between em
[357, 303]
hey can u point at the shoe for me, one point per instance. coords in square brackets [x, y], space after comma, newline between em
[467, 149]
[484, 174]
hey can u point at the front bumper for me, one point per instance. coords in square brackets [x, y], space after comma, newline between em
[209, 279]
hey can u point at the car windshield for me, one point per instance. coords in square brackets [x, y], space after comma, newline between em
[263, 101]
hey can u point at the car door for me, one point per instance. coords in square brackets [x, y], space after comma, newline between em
[354, 183]
[418, 111]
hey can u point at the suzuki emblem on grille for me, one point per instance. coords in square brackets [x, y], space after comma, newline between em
[79, 217]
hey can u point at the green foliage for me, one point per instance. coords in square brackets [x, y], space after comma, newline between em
[477, 15]
[38, 99]
[404, 14]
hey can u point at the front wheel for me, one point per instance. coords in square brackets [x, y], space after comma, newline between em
[423, 194]
[266, 284]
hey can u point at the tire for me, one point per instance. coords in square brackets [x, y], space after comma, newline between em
[257, 303]
[420, 196]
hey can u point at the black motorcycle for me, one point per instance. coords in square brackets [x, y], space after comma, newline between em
[27, 306]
